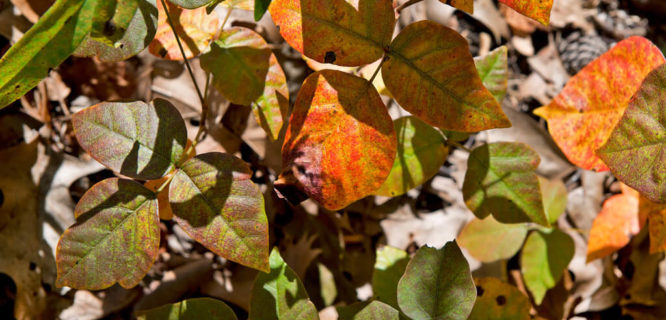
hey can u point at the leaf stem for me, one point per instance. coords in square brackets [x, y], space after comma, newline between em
[452, 143]
[165, 183]
[226, 17]
[406, 4]
[379, 67]
[204, 105]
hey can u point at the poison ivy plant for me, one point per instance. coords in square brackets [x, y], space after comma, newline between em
[545, 256]
[190, 309]
[499, 300]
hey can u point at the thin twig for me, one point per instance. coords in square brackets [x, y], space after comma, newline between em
[165, 183]
[379, 67]
[457, 145]
[226, 17]
[406, 4]
[204, 105]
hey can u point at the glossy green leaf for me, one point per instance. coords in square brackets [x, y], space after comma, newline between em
[421, 151]
[190, 4]
[115, 239]
[336, 31]
[499, 300]
[280, 294]
[239, 62]
[133, 23]
[373, 310]
[554, 194]
[216, 203]
[135, 139]
[544, 258]
[488, 240]
[340, 144]
[437, 285]
[260, 8]
[493, 69]
[190, 309]
[389, 267]
[431, 74]
[636, 149]
[45, 46]
[501, 181]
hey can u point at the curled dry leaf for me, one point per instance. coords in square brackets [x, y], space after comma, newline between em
[340, 143]
[195, 28]
[582, 117]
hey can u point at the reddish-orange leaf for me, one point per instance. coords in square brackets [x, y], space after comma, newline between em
[335, 31]
[431, 73]
[272, 106]
[583, 115]
[464, 5]
[656, 215]
[340, 143]
[195, 28]
[615, 224]
[538, 10]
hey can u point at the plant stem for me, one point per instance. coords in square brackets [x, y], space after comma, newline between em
[457, 145]
[379, 67]
[204, 105]
[226, 17]
[406, 4]
[165, 183]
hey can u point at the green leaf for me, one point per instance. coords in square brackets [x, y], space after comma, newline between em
[636, 149]
[488, 240]
[45, 46]
[216, 203]
[190, 4]
[272, 107]
[335, 31]
[373, 310]
[493, 69]
[280, 294]
[190, 309]
[239, 62]
[501, 181]
[260, 7]
[554, 194]
[431, 74]
[499, 300]
[544, 257]
[115, 239]
[389, 267]
[136, 139]
[437, 285]
[134, 23]
[421, 151]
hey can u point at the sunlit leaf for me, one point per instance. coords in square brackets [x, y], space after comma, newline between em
[390, 264]
[499, 300]
[272, 107]
[501, 180]
[583, 115]
[336, 31]
[431, 74]
[115, 239]
[372, 310]
[544, 258]
[421, 151]
[195, 27]
[554, 194]
[488, 240]
[493, 69]
[238, 4]
[614, 225]
[190, 309]
[216, 203]
[464, 5]
[189, 4]
[437, 285]
[260, 8]
[656, 215]
[340, 143]
[128, 27]
[239, 62]
[538, 10]
[636, 149]
[133, 138]
[280, 294]
[47, 44]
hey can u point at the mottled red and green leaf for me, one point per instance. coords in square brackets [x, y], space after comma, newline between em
[538, 10]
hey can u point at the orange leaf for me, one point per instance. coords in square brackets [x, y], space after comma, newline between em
[615, 224]
[583, 115]
[656, 214]
[195, 28]
[464, 5]
[538, 10]
[340, 143]
[335, 31]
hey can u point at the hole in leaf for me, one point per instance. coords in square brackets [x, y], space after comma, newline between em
[33, 266]
[479, 291]
[109, 28]
[347, 275]
[2, 198]
[330, 57]
[501, 300]
[7, 295]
